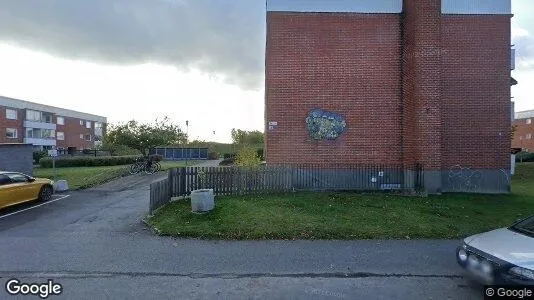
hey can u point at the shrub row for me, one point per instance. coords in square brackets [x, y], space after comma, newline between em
[37, 155]
[213, 155]
[525, 157]
[260, 154]
[88, 161]
[228, 155]
[259, 151]
[227, 161]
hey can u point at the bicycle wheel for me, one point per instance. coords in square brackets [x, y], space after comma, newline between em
[151, 169]
[138, 167]
[158, 166]
[132, 169]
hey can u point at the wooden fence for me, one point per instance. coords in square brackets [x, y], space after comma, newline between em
[270, 179]
[159, 194]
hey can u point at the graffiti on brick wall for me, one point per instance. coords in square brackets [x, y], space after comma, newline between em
[325, 125]
[464, 179]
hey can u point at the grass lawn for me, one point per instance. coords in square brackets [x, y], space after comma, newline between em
[86, 177]
[351, 215]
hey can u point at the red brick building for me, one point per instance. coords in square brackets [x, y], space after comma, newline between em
[48, 127]
[417, 83]
[524, 134]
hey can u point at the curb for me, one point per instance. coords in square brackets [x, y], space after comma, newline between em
[153, 230]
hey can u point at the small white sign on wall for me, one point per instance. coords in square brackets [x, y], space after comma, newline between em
[272, 125]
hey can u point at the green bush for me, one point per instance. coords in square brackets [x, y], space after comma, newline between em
[156, 157]
[37, 155]
[89, 161]
[524, 157]
[247, 157]
[260, 154]
[213, 155]
[228, 155]
[227, 161]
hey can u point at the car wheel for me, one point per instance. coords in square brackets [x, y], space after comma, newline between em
[46, 193]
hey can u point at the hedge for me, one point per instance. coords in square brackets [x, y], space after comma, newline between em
[227, 161]
[213, 155]
[524, 156]
[260, 154]
[229, 155]
[89, 161]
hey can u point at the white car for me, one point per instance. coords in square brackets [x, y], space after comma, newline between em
[501, 256]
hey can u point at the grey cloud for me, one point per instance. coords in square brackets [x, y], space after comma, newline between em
[218, 36]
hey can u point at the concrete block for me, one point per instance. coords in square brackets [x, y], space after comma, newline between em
[61, 186]
[202, 200]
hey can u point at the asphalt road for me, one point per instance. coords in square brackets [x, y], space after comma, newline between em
[94, 244]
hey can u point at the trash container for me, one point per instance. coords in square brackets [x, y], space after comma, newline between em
[202, 200]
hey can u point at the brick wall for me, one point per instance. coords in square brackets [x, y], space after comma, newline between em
[522, 130]
[347, 63]
[72, 130]
[17, 124]
[419, 87]
[476, 91]
[421, 84]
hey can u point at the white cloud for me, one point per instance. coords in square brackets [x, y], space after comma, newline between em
[142, 92]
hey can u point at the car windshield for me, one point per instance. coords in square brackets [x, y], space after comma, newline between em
[526, 226]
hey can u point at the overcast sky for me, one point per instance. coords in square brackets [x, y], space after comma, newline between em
[196, 60]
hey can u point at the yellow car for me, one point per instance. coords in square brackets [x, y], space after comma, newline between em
[17, 188]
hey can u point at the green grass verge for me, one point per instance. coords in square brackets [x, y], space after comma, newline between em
[351, 215]
[86, 177]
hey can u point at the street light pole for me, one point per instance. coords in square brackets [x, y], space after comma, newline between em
[187, 140]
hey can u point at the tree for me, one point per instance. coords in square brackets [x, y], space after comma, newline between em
[144, 136]
[242, 137]
[247, 157]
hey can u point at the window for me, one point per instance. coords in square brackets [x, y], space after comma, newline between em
[17, 178]
[33, 133]
[48, 134]
[4, 180]
[60, 136]
[11, 114]
[81, 122]
[60, 121]
[11, 133]
[88, 125]
[81, 136]
[529, 136]
[88, 137]
[529, 121]
[32, 115]
[46, 118]
[99, 129]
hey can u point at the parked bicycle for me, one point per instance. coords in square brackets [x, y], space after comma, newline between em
[148, 166]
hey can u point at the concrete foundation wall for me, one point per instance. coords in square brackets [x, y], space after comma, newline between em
[16, 158]
[379, 179]
[466, 180]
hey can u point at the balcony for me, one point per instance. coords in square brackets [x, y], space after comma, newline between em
[39, 125]
[99, 132]
[40, 142]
